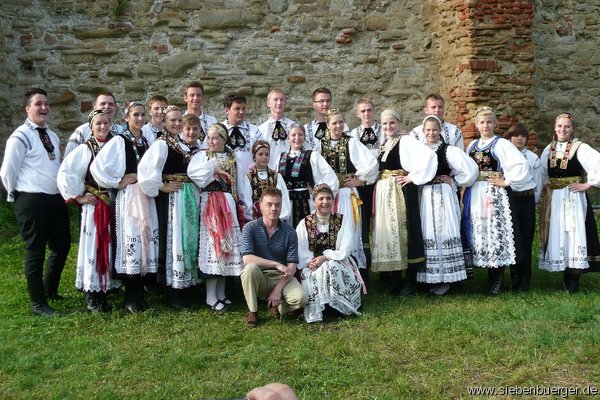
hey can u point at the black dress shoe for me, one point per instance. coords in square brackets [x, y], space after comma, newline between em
[133, 307]
[44, 310]
[56, 297]
[571, 283]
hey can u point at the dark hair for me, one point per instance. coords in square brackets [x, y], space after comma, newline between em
[517, 129]
[194, 84]
[433, 96]
[260, 144]
[157, 98]
[29, 93]
[190, 120]
[321, 90]
[270, 191]
[231, 98]
[105, 94]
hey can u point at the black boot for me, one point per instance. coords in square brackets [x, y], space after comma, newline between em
[131, 302]
[515, 277]
[571, 281]
[51, 287]
[103, 302]
[525, 283]
[494, 285]
[176, 299]
[44, 310]
[409, 287]
[96, 302]
[395, 277]
[141, 293]
[92, 302]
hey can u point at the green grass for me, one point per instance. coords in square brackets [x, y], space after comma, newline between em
[419, 347]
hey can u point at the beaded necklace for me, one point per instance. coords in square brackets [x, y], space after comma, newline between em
[565, 159]
[295, 166]
[135, 142]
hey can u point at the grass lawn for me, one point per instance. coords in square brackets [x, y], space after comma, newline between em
[418, 347]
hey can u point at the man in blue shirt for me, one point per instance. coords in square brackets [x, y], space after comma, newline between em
[270, 254]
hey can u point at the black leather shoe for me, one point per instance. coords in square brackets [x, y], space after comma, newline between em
[133, 307]
[44, 310]
[494, 285]
[56, 297]
[571, 283]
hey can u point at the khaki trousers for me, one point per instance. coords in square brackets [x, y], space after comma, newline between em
[257, 282]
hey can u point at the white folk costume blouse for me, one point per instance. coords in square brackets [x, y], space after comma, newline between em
[28, 165]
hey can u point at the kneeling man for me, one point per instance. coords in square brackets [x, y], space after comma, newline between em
[270, 254]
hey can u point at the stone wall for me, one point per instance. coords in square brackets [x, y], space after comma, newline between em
[528, 62]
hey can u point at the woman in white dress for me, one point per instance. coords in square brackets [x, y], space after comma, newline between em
[301, 170]
[440, 211]
[355, 167]
[258, 178]
[94, 258]
[217, 171]
[162, 174]
[397, 242]
[568, 231]
[328, 273]
[136, 222]
[488, 220]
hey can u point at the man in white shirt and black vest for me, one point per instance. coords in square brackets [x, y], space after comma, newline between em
[29, 170]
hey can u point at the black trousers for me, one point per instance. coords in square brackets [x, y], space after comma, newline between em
[44, 220]
[366, 195]
[523, 208]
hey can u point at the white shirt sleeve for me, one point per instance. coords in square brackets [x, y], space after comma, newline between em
[344, 241]
[109, 165]
[464, 168]
[202, 170]
[514, 164]
[151, 166]
[419, 160]
[14, 153]
[304, 254]
[72, 171]
[286, 204]
[590, 161]
[367, 167]
[322, 171]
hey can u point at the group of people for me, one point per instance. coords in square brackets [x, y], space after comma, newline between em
[301, 213]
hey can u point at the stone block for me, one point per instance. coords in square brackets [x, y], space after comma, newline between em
[92, 88]
[95, 51]
[376, 22]
[59, 71]
[278, 6]
[85, 106]
[175, 65]
[118, 70]
[26, 38]
[175, 40]
[135, 87]
[296, 79]
[148, 70]
[49, 39]
[317, 37]
[60, 96]
[220, 19]
[69, 125]
[99, 33]
[392, 35]
[32, 57]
